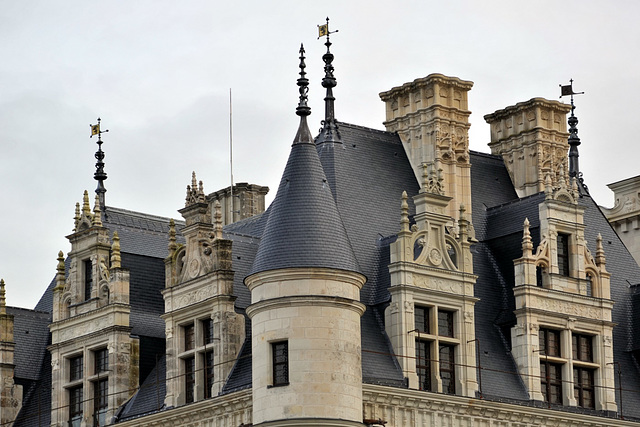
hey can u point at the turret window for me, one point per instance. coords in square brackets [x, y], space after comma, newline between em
[280, 357]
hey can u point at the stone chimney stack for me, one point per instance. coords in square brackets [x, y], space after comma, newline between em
[531, 137]
[431, 117]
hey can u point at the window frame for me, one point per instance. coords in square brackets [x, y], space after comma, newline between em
[76, 405]
[280, 378]
[440, 323]
[563, 244]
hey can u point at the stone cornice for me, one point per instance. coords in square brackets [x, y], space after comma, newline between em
[423, 81]
[472, 411]
[216, 411]
[313, 273]
[307, 300]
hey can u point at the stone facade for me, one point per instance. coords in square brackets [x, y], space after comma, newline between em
[317, 313]
[625, 214]
[10, 392]
[92, 351]
[203, 332]
[570, 303]
[532, 138]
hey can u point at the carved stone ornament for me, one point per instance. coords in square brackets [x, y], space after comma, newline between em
[435, 257]
[408, 307]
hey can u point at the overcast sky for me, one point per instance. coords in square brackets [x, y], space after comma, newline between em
[158, 73]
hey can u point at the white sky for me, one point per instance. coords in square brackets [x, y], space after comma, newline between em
[158, 73]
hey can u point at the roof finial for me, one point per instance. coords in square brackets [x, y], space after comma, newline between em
[100, 174]
[574, 141]
[303, 110]
[329, 131]
[3, 300]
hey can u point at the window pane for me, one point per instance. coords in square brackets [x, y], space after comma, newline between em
[88, 279]
[447, 369]
[75, 368]
[280, 363]
[75, 406]
[190, 379]
[207, 331]
[422, 319]
[445, 323]
[551, 382]
[423, 364]
[563, 254]
[208, 362]
[189, 337]
[101, 360]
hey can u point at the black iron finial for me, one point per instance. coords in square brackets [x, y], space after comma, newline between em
[329, 131]
[303, 136]
[574, 140]
[303, 86]
[100, 174]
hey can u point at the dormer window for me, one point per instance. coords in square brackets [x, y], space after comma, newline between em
[563, 254]
[88, 278]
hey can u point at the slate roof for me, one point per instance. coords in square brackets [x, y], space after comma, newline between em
[364, 177]
[367, 174]
[304, 228]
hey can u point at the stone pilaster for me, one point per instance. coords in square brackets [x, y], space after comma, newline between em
[10, 393]
[199, 295]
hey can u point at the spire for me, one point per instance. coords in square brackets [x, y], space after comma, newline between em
[60, 272]
[304, 228]
[329, 131]
[303, 110]
[574, 141]
[100, 174]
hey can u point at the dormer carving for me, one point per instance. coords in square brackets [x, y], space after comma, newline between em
[432, 284]
[563, 292]
[91, 321]
[204, 331]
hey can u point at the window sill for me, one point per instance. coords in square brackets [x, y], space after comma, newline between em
[277, 385]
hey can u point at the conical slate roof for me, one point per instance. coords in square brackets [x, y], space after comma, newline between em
[304, 228]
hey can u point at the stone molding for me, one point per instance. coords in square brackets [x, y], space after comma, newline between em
[306, 300]
[411, 408]
[230, 410]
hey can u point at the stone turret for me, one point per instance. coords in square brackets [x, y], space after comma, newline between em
[305, 291]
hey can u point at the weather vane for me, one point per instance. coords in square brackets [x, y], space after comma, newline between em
[100, 174]
[95, 130]
[566, 90]
[574, 140]
[323, 30]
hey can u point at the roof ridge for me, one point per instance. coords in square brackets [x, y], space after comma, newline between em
[143, 215]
